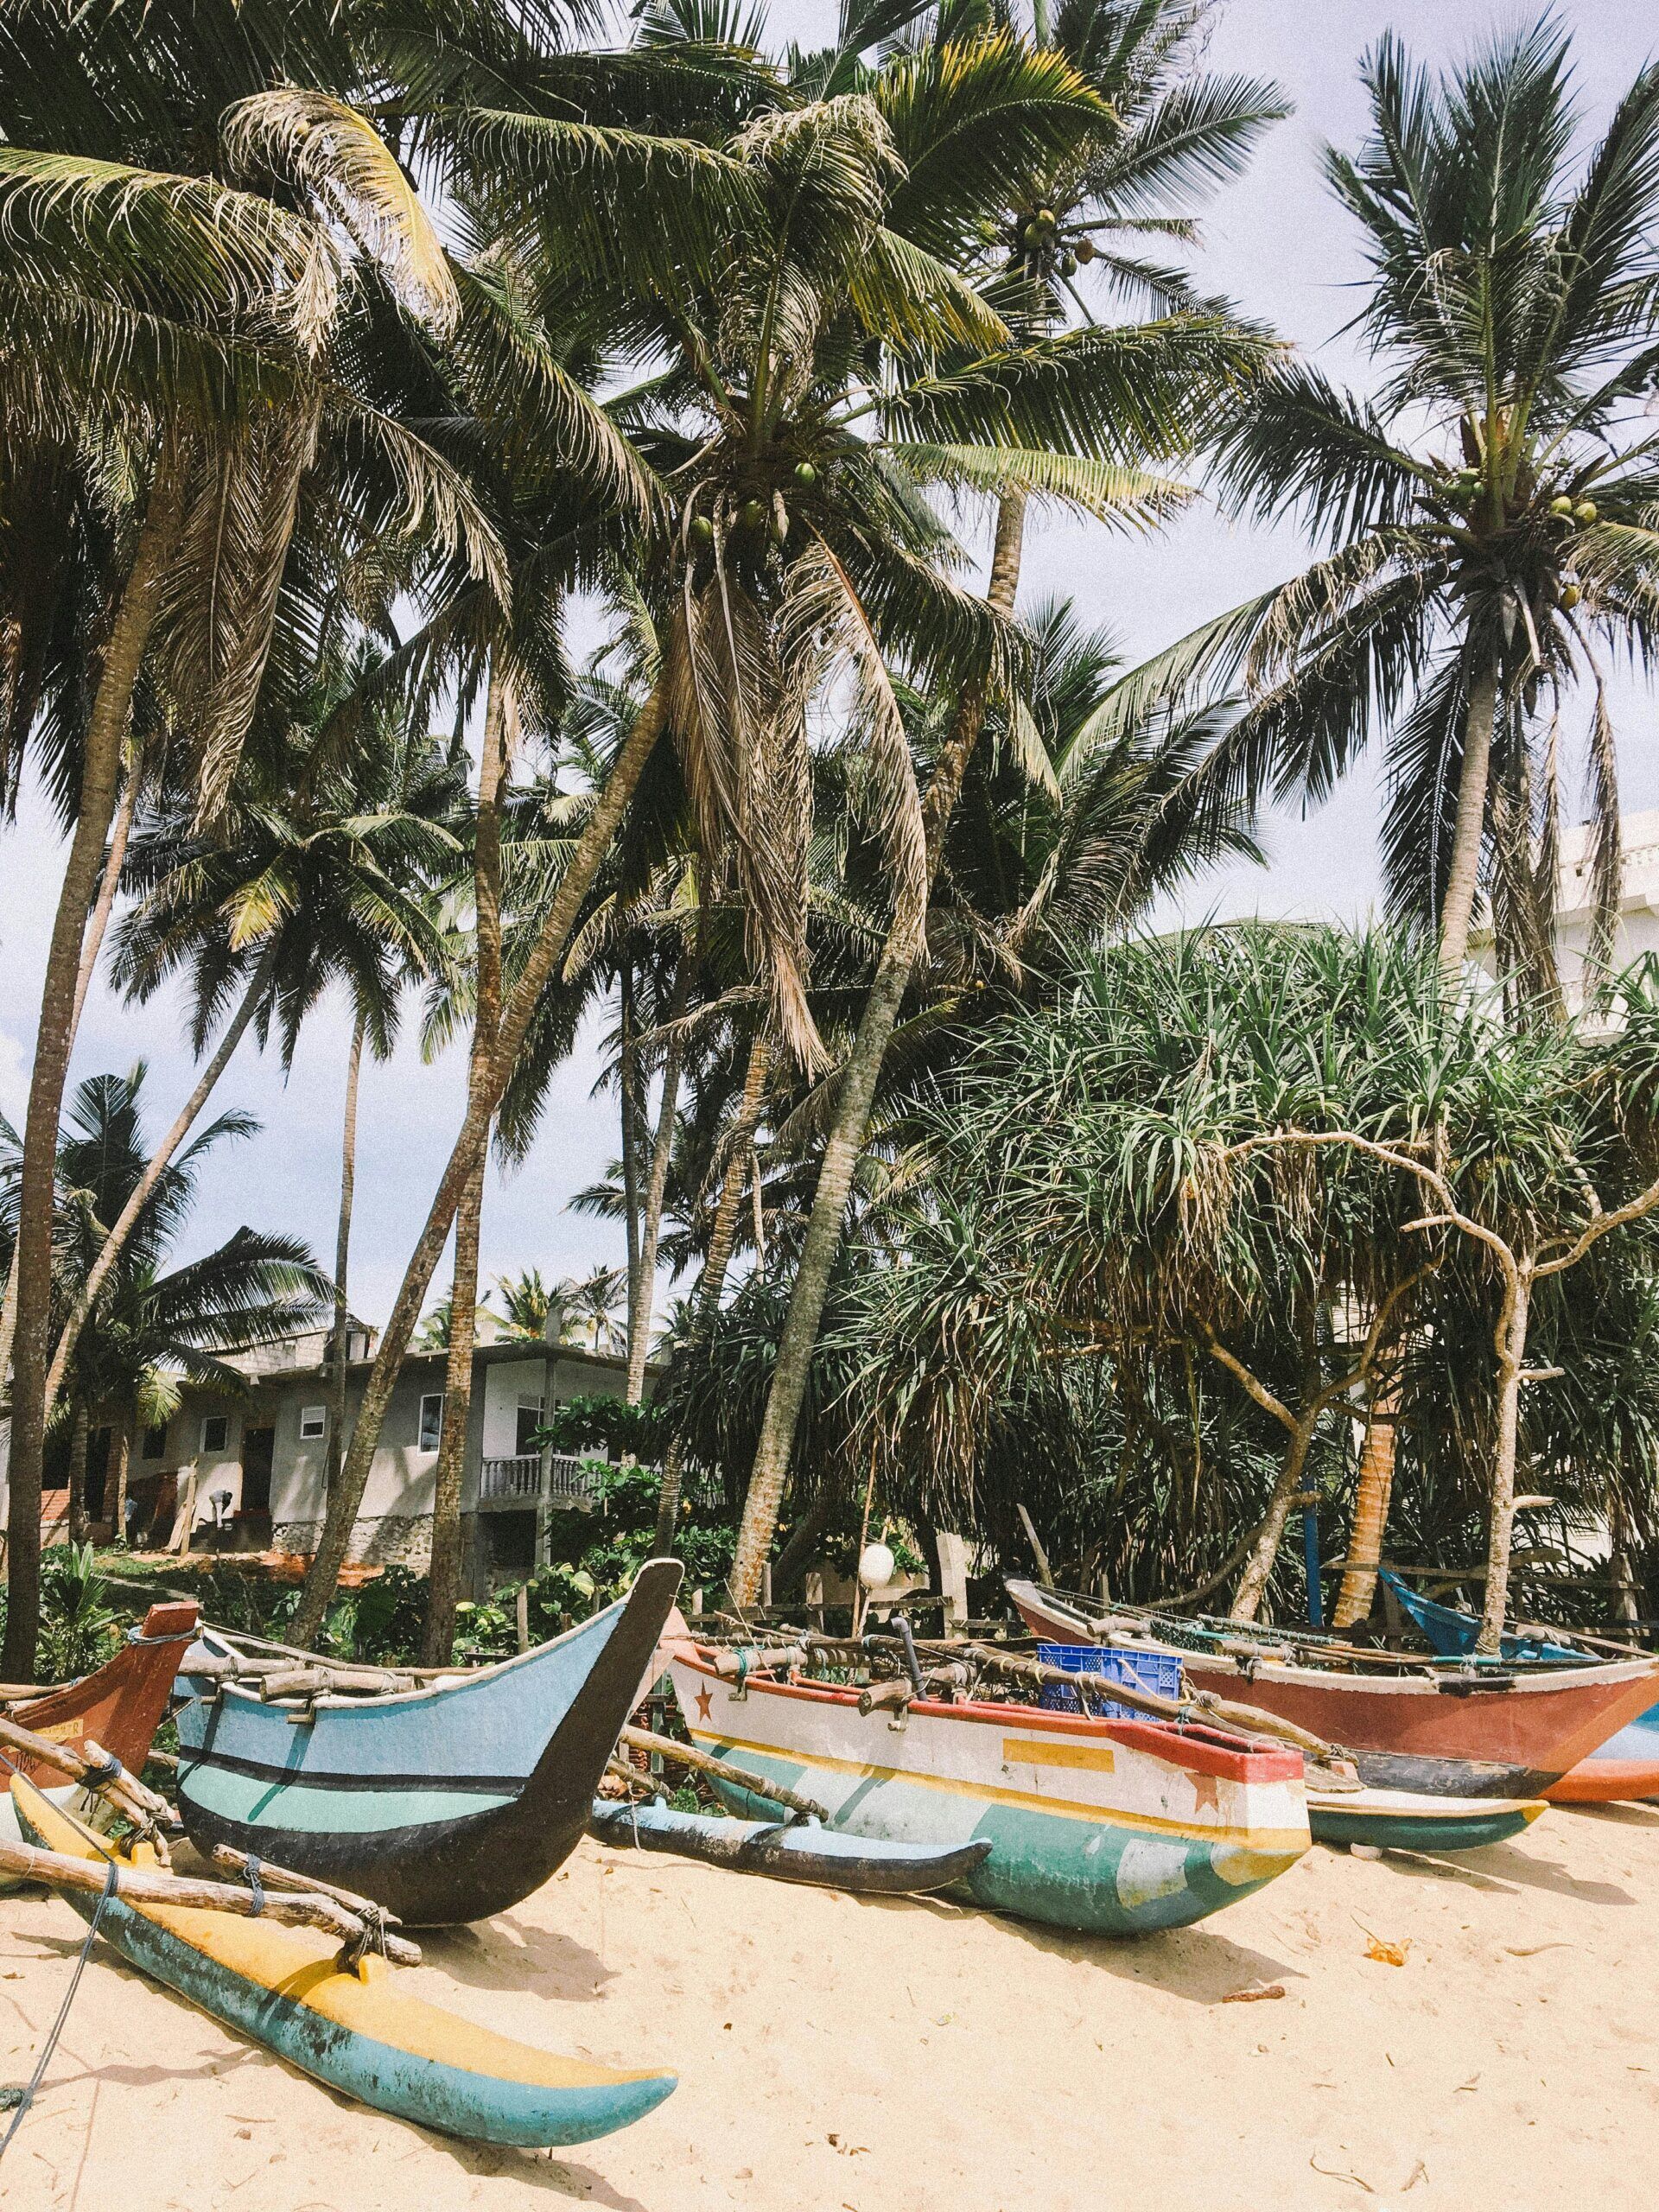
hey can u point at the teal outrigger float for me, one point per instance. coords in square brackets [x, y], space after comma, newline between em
[349, 2026]
[1115, 1826]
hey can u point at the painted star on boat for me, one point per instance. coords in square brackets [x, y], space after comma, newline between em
[705, 1705]
[1206, 1794]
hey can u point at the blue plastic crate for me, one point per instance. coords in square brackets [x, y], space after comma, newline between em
[1157, 1671]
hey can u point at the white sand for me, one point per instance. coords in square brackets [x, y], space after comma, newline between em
[840, 2056]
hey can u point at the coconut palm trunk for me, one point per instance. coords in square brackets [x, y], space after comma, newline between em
[592, 846]
[627, 1085]
[109, 885]
[159, 1162]
[444, 1583]
[712, 1285]
[81, 1429]
[443, 1579]
[107, 733]
[1371, 1495]
[642, 1278]
[851, 1127]
[340, 1332]
[1457, 910]
[116, 1471]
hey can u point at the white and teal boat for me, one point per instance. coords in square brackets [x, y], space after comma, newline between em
[1114, 1827]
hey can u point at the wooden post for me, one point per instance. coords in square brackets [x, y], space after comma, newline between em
[1036, 1543]
[521, 1616]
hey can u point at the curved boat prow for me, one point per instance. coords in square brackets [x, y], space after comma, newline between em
[443, 1804]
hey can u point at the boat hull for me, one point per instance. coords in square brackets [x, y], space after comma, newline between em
[1625, 1766]
[821, 1856]
[1438, 1733]
[354, 2029]
[1114, 1827]
[1396, 1820]
[444, 1805]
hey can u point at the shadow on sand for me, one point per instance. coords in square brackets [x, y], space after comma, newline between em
[1195, 1963]
[506, 1954]
[1501, 1867]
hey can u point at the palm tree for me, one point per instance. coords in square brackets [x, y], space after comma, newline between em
[818, 366]
[320, 870]
[1489, 508]
[178, 337]
[535, 1311]
[1161, 131]
[1489, 511]
[152, 1325]
[595, 1300]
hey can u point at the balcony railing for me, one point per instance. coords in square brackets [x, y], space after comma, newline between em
[561, 1479]
[530, 1480]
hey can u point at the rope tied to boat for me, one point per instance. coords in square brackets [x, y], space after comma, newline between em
[100, 1773]
[18, 2100]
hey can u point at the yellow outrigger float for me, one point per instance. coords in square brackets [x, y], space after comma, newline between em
[349, 2026]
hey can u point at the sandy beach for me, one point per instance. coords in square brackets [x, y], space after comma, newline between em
[843, 2056]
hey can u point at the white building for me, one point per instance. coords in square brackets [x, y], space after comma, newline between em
[252, 1468]
[1638, 913]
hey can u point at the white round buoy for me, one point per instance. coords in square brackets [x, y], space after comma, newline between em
[876, 1566]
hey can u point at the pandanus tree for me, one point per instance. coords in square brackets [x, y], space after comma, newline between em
[181, 244]
[815, 363]
[1013, 212]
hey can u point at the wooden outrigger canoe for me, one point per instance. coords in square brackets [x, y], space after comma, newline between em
[118, 1707]
[442, 1804]
[353, 2028]
[1625, 1766]
[1397, 1819]
[805, 1851]
[1431, 1728]
[1114, 1827]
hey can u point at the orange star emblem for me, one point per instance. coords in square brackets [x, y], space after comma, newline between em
[1206, 1794]
[705, 1704]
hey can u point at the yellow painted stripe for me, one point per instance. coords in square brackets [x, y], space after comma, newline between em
[1047, 1751]
[1265, 1839]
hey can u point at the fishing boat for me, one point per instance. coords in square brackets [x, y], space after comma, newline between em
[350, 2027]
[446, 1803]
[1625, 1766]
[1114, 1827]
[118, 1707]
[1430, 1727]
[805, 1851]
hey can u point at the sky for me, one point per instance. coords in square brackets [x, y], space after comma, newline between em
[1275, 242]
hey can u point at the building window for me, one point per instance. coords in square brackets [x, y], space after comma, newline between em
[431, 1421]
[530, 1423]
[154, 1444]
[314, 1423]
[215, 1432]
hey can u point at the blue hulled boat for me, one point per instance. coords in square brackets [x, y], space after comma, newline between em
[443, 1804]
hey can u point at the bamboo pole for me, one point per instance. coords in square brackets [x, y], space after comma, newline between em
[642, 1739]
[398, 1950]
[125, 1792]
[1245, 1717]
[144, 1885]
[328, 1682]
